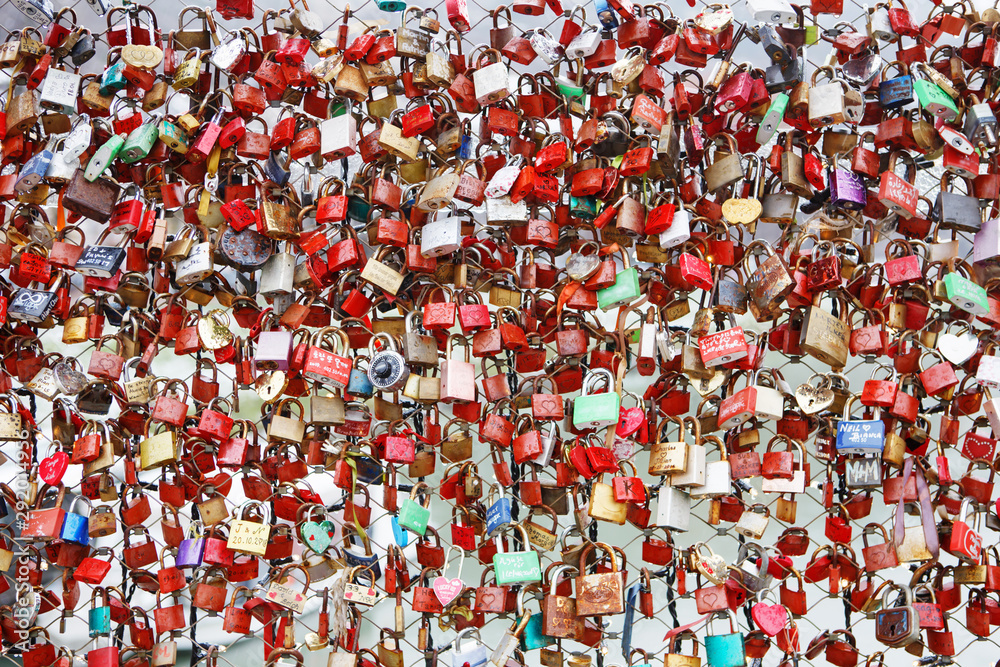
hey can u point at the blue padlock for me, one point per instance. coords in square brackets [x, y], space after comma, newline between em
[498, 514]
[859, 436]
[606, 14]
[358, 383]
[364, 558]
[726, 650]
[473, 655]
[898, 91]
[76, 527]
[533, 637]
[274, 168]
[465, 148]
[99, 618]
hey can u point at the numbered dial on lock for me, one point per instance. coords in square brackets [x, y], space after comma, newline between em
[388, 370]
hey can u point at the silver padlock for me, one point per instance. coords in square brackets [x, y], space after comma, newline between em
[60, 90]
[278, 274]
[225, 56]
[473, 654]
[61, 167]
[771, 11]
[694, 469]
[673, 508]
[197, 266]
[981, 123]
[338, 136]
[501, 210]
[770, 404]
[585, 44]
[491, 81]
[441, 237]
[753, 522]
[78, 139]
[549, 441]
[547, 48]
[387, 370]
[678, 232]
[42, 11]
[753, 578]
[718, 475]
[880, 26]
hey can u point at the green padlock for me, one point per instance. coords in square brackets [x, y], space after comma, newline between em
[104, 156]
[934, 100]
[625, 289]
[572, 89]
[597, 410]
[583, 207]
[99, 617]
[516, 567]
[775, 113]
[966, 294]
[113, 79]
[412, 515]
[140, 141]
[357, 205]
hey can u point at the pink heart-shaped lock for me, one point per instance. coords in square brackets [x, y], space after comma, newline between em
[447, 590]
[771, 618]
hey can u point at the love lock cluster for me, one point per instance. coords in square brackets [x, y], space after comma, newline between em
[365, 298]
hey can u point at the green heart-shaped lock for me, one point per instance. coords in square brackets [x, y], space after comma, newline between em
[318, 535]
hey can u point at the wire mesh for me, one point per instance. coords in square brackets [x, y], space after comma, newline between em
[826, 610]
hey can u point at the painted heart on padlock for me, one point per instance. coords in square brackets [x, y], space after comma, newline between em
[629, 421]
[52, 468]
[318, 535]
[446, 590]
[813, 399]
[713, 567]
[771, 618]
[957, 349]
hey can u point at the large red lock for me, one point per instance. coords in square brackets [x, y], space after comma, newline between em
[880, 393]
[938, 378]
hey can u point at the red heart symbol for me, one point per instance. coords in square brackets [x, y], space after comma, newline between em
[770, 617]
[52, 468]
[630, 420]
[272, 595]
[349, 594]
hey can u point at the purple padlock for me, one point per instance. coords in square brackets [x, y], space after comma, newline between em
[847, 190]
[274, 350]
[192, 549]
